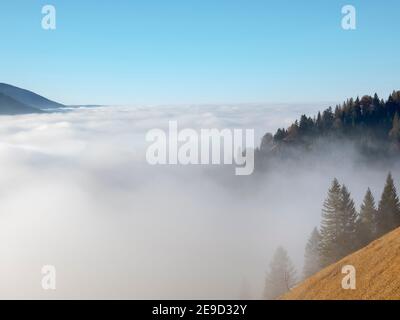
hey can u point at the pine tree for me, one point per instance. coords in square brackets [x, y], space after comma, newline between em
[331, 225]
[293, 132]
[327, 119]
[280, 135]
[267, 142]
[348, 220]
[388, 217]
[281, 276]
[312, 263]
[319, 124]
[366, 223]
[394, 134]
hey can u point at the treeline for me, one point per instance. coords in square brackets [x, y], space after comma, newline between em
[365, 119]
[343, 230]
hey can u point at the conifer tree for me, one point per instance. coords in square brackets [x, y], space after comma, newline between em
[281, 276]
[327, 119]
[366, 223]
[312, 263]
[348, 221]
[318, 123]
[394, 133]
[388, 217]
[331, 225]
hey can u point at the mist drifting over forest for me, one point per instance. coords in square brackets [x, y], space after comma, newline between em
[77, 193]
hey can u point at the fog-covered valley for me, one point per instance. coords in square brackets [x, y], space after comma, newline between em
[76, 192]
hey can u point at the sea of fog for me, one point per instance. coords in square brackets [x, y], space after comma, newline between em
[77, 193]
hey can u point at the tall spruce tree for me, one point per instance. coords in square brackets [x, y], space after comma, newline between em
[366, 223]
[331, 225]
[312, 263]
[388, 217]
[281, 276]
[348, 222]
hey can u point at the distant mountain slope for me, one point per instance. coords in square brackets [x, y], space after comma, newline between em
[377, 275]
[9, 106]
[28, 98]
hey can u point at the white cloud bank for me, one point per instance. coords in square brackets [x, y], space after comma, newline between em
[76, 193]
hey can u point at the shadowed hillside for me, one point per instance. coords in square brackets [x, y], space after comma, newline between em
[9, 106]
[377, 275]
[28, 98]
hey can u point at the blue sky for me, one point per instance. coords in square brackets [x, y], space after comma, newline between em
[200, 51]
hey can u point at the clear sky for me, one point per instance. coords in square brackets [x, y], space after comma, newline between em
[200, 51]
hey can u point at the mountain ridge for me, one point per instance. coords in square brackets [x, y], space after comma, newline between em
[17, 101]
[28, 97]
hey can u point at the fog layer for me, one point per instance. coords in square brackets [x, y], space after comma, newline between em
[77, 193]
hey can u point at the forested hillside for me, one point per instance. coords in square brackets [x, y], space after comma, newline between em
[372, 123]
[343, 230]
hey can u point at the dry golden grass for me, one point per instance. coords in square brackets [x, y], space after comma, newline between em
[377, 275]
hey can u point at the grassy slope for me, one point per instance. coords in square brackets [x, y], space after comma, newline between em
[377, 273]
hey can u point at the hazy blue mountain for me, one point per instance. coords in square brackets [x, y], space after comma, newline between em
[9, 106]
[28, 98]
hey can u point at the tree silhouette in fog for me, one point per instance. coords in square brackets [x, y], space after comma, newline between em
[312, 263]
[281, 275]
[388, 216]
